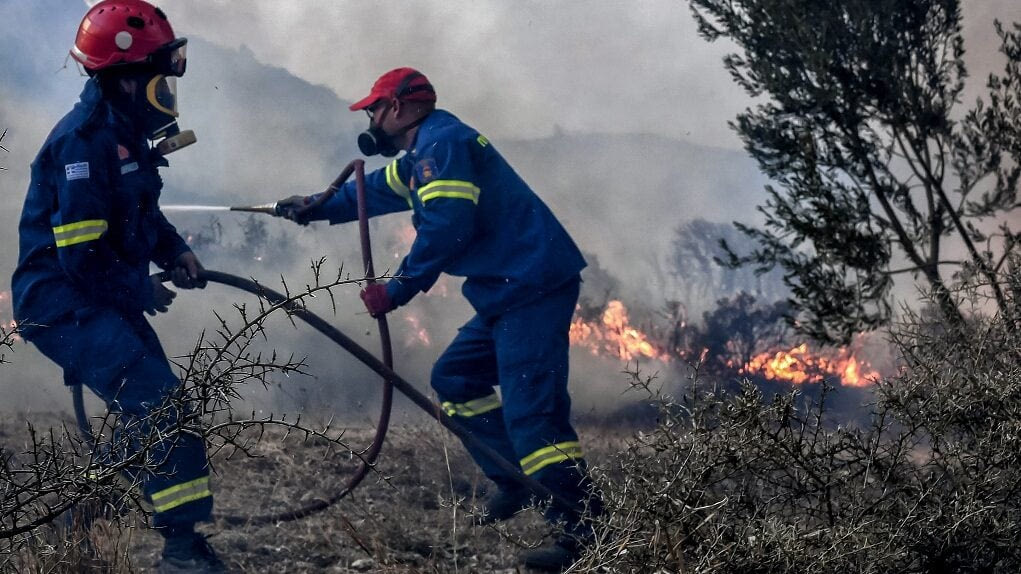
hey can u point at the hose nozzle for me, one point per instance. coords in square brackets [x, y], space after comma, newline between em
[267, 208]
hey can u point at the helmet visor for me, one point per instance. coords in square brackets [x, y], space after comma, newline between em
[161, 92]
[171, 59]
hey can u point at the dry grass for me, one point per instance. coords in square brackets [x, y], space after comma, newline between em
[412, 515]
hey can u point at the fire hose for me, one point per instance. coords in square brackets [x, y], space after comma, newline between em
[384, 368]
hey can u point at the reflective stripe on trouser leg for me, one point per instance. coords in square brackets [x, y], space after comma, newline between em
[547, 455]
[473, 407]
[464, 377]
[179, 494]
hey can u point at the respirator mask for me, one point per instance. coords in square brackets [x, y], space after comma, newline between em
[158, 114]
[375, 141]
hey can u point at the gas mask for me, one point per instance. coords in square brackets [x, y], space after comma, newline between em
[158, 115]
[376, 141]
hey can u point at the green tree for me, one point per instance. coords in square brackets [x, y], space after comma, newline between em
[875, 171]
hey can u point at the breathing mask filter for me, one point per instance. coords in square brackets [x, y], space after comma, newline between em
[375, 141]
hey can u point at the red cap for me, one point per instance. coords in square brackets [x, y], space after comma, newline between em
[402, 83]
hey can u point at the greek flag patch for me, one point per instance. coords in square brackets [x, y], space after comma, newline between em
[78, 170]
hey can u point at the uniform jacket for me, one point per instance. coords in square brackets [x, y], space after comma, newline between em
[91, 222]
[474, 218]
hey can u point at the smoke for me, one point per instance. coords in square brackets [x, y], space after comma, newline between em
[614, 112]
[515, 69]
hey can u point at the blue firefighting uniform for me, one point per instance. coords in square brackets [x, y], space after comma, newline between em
[89, 228]
[476, 218]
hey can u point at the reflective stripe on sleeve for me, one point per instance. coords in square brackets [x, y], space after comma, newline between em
[550, 455]
[175, 496]
[79, 232]
[473, 407]
[393, 179]
[449, 188]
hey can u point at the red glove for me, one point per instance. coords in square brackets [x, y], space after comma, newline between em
[376, 300]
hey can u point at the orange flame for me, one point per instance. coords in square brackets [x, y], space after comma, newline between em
[798, 366]
[417, 334]
[405, 238]
[614, 336]
[8, 325]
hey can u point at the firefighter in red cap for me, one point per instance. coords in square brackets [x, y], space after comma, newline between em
[476, 218]
[89, 229]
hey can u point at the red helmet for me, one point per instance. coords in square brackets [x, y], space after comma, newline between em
[125, 32]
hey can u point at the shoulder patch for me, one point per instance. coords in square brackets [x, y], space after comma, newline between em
[425, 171]
[78, 170]
[483, 141]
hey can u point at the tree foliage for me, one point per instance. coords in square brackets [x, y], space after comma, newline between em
[875, 171]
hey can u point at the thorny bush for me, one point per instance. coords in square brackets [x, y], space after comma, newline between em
[730, 480]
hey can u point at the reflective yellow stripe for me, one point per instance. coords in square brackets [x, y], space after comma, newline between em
[79, 232]
[473, 407]
[180, 494]
[126, 484]
[449, 188]
[393, 179]
[550, 455]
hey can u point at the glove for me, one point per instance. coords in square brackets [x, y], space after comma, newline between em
[161, 297]
[185, 273]
[294, 208]
[376, 300]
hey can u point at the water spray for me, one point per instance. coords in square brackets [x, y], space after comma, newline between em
[194, 208]
[275, 209]
[268, 208]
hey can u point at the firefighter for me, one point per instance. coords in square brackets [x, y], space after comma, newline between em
[90, 227]
[476, 218]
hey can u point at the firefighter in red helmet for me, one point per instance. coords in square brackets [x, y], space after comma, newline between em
[90, 228]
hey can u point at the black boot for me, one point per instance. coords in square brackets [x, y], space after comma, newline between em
[503, 504]
[187, 552]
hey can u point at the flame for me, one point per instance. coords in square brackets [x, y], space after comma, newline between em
[614, 335]
[417, 334]
[799, 366]
[405, 238]
[7, 326]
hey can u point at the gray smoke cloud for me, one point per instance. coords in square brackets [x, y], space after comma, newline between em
[614, 112]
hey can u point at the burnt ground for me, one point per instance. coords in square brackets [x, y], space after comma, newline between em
[411, 515]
